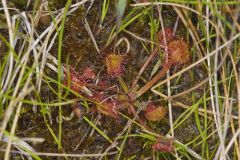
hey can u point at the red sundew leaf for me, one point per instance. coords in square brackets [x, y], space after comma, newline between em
[75, 80]
[89, 73]
[108, 108]
[178, 52]
[150, 107]
[114, 64]
[153, 113]
[105, 106]
[98, 96]
[168, 35]
[163, 145]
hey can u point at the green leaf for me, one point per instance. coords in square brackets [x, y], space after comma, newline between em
[120, 7]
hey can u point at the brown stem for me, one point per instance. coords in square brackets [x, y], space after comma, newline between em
[144, 67]
[149, 84]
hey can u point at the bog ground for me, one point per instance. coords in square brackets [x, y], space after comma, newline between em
[120, 79]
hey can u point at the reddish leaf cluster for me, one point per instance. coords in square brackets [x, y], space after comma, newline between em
[107, 103]
[103, 103]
